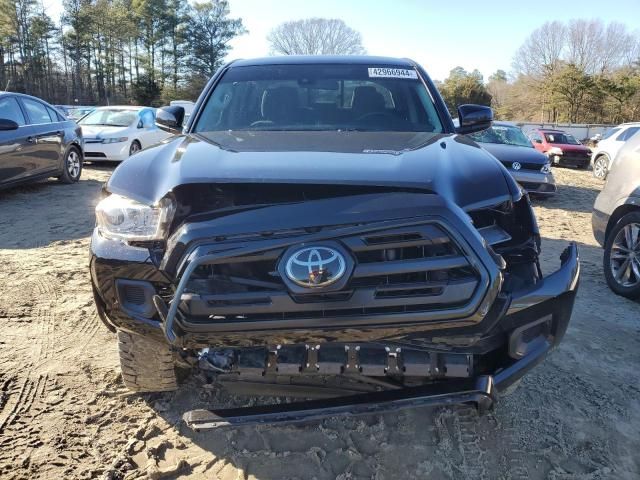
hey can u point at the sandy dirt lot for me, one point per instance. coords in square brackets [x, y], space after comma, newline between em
[64, 412]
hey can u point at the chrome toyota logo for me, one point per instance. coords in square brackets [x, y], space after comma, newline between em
[313, 267]
[516, 165]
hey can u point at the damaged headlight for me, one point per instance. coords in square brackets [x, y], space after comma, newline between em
[121, 218]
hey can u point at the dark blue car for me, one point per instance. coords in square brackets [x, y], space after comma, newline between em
[37, 142]
[529, 168]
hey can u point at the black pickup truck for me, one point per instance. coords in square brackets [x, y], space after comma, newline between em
[320, 229]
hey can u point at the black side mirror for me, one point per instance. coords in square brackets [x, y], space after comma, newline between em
[170, 118]
[474, 118]
[6, 124]
[537, 140]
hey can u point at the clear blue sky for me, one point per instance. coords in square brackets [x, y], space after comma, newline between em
[438, 34]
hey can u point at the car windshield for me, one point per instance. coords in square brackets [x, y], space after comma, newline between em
[320, 97]
[110, 117]
[504, 134]
[561, 138]
[609, 133]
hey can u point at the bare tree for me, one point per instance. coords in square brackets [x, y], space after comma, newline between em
[584, 44]
[315, 36]
[542, 50]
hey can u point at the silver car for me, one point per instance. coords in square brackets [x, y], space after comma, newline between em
[616, 221]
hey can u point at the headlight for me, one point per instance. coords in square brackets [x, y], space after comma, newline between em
[546, 168]
[554, 151]
[122, 218]
[115, 140]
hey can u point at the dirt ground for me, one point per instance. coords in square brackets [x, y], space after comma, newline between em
[64, 412]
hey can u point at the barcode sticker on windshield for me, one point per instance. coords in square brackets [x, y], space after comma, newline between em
[379, 72]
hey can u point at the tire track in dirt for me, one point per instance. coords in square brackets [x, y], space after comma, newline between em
[465, 422]
[32, 303]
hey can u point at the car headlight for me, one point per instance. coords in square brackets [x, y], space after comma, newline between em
[115, 140]
[121, 218]
[546, 168]
[554, 151]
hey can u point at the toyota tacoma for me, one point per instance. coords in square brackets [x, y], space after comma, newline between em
[320, 229]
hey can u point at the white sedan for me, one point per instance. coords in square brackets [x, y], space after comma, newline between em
[116, 133]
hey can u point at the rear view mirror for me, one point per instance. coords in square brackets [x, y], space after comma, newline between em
[170, 118]
[537, 140]
[6, 124]
[474, 118]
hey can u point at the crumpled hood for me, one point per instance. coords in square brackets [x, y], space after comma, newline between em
[450, 165]
[101, 131]
[513, 153]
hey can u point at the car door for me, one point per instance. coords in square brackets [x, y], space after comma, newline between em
[48, 135]
[15, 145]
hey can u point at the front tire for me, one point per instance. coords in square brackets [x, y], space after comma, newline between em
[135, 147]
[147, 365]
[601, 167]
[621, 260]
[72, 167]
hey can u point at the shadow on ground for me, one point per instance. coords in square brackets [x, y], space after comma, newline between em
[70, 212]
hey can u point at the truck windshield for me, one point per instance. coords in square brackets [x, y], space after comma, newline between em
[320, 97]
[561, 138]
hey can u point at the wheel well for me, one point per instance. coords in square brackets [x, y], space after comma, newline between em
[78, 146]
[617, 214]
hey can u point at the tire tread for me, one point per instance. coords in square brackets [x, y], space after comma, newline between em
[146, 365]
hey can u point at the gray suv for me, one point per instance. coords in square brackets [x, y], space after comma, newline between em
[616, 222]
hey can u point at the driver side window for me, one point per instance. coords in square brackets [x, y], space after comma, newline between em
[10, 110]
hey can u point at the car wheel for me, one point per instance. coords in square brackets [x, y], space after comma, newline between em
[72, 166]
[601, 167]
[135, 147]
[146, 365]
[622, 257]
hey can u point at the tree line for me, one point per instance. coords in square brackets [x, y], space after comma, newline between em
[582, 71]
[113, 51]
[152, 51]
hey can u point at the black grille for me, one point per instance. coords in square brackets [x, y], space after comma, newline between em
[578, 159]
[403, 270]
[134, 294]
[525, 166]
[538, 187]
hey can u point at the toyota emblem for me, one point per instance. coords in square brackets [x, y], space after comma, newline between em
[516, 165]
[315, 266]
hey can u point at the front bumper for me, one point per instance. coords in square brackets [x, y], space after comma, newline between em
[571, 159]
[115, 152]
[553, 297]
[535, 182]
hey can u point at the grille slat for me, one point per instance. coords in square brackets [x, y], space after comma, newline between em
[409, 266]
[361, 300]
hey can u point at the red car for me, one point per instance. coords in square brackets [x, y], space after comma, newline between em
[561, 148]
